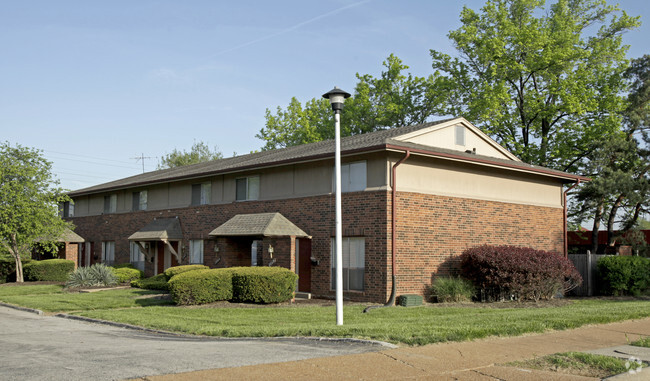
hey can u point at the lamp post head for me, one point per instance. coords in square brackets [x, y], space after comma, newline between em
[336, 97]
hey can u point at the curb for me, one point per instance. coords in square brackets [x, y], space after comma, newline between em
[25, 309]
[176, 334]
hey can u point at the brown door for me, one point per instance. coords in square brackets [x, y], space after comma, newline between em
[304, 265]
[173, 261]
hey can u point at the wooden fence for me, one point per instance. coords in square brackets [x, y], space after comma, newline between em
[586, 266]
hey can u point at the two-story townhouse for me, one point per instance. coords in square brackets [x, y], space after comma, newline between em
[414, 198]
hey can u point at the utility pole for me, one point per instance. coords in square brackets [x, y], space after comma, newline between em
[141, 158]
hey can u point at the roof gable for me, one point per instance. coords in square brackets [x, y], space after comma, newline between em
[445, 135]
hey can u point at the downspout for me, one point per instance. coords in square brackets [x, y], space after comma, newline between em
[393, 240]
[566, 234]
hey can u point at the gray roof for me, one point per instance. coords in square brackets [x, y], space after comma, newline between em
[69, 236]
[258, 224]
[159, 229]
[378, 140]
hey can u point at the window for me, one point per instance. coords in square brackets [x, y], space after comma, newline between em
[196, 251]
[137, 257]
[201, 193]
[354, 249]
[353, 177]
[460, 135]
[248, 188]
[67, 209]
[140, 200]
[108, 253]
[110, 203]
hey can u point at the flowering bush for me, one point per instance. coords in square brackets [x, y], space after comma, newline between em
[524, 272]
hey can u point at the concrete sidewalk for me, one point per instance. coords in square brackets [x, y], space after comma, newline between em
[476, 360]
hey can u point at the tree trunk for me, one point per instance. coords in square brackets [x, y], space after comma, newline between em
[16, 254]
[612, 219]
[594, 231]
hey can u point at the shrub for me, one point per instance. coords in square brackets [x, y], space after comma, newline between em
[123, 266]
[624, 275]
[448, 289]
[263, 284]
[524, 272]
[127, 274]
[201, 286]
[170, 272]
[158, 282]
[96, 275]
[8, 269]
[55, 270]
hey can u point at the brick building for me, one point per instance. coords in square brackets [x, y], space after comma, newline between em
[451, 185]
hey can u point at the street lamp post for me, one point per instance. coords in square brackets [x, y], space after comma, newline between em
[336, 97]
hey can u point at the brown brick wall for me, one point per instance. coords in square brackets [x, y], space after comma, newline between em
[434, 230]
[365, 214]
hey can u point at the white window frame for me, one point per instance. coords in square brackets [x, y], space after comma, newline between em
[353, 177]
[137, 256]
[252, 188]
[354, 256]
[108, 252]
[196, 251]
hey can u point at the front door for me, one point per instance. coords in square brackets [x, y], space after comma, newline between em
[304, 264]
[160, 258]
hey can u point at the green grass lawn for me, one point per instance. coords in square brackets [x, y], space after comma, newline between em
[413, 326]
[582, 364]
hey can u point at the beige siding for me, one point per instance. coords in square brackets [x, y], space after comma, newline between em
[313, 178]
[96, 205]
[81, 205]
[469, 181]
[179, 195]
[276, 183]
[157, 197]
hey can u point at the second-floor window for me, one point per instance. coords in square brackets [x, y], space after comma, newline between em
[110, 203]
[201, 193]
[140, 200]
[67, 209]
[248, 188]
[353, 177]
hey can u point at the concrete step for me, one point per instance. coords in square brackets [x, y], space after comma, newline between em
[303, 295]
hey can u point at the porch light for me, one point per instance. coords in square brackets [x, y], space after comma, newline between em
[271, 251]
[336, 97]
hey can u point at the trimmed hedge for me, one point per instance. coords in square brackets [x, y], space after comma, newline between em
[170, 272]
[55, 270]
[8, 269]
[524, 272]
[624, 275]
[157, 282]
[127, 274]
[201, 286]
[263, 284]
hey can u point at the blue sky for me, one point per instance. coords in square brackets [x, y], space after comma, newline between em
[95, 84]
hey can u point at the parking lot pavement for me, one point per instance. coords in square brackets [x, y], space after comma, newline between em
[51, 348]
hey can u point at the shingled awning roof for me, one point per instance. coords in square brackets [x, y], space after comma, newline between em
[69, 236]
[160, 229]
[258, 224]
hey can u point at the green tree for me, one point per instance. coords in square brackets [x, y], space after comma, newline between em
[29, 199]
[199, 153]
[392, 100]
[536, 79]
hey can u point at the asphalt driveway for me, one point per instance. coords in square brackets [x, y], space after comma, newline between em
[52, 348]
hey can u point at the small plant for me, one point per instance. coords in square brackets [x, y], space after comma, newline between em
[96, 275]
[643, 342]
[449, 289]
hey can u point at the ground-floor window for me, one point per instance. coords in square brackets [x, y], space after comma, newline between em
[108, 253]
[196, 251]
[137, 256]
[354, 259]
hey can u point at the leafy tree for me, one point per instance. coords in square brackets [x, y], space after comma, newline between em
[199, 153]
[620, 189]
[536, 79]
[29, 199]
[394, 99]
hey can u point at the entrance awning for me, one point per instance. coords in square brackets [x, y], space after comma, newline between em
[69, 236]
[258, 224]
[161, 229]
